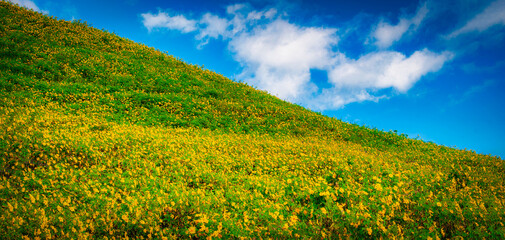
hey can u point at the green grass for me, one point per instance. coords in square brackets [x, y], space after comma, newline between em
[104, 137]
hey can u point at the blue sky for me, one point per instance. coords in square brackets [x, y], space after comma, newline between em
[431, 69]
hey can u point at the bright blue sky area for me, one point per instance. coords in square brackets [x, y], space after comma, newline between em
[433, 69]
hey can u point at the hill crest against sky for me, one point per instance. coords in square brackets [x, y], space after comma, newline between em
[103, 137]
[172, 92]
[429, 69]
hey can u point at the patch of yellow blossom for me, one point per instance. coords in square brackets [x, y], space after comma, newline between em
[69, 172]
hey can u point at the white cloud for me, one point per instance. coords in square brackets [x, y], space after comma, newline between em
[210, 25]
[335, 98]
[29, 4]
[233, 9]
[386, 34]
[163, 20]
[278, 57]
[386, 69]
[288, 84]
[282, 44]
[214, 27]
[255, 15]
[422, 11]
[494, 14]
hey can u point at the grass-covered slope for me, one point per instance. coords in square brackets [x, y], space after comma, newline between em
[103, 137]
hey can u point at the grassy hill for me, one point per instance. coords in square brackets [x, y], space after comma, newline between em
[102, 137]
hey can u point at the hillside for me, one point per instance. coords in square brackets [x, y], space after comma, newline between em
[102, 137]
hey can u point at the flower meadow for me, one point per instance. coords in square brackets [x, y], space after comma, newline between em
[101, 137]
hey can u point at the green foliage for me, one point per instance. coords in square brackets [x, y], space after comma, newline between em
[103, 137]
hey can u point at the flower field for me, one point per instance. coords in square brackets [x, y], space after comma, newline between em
[101, 137]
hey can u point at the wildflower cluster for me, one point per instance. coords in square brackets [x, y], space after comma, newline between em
[101, 137]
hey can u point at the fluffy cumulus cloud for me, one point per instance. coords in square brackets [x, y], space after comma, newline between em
[164, 20]
[214, 26]
[357, 80]
[492, 15]
[386, 69]
[28, 4]
[278, 55]
[386, 34]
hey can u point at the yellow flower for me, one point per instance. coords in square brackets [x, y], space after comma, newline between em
[323, 210]
[192, 230]
[286, 226]
[369, 230]
[293, 219]
[204, 228]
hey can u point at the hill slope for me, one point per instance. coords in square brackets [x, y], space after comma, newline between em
[104, 137]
